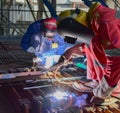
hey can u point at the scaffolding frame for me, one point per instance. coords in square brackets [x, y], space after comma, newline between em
[15, 18]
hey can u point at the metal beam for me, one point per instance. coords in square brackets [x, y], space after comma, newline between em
[51, 9]
[31, 10]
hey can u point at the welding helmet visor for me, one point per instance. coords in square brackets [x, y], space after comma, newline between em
[72, 28]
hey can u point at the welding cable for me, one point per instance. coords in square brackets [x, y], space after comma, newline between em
[56, 70]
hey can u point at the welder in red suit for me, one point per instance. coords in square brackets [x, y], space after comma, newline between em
[102, 49]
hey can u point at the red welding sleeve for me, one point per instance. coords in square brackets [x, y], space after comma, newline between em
[78, 49]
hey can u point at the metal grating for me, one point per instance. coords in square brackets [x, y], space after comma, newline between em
[12, 55]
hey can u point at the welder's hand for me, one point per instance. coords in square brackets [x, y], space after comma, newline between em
[31, 50]
[103, 90]
[37, 59]
[75, 50]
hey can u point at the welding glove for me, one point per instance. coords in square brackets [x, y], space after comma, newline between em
[31, 50]
[37, 59]
[103, 90]
[51, 60]
[38, 62]
[56, 58]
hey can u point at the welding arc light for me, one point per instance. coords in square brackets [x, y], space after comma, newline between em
[59, 95]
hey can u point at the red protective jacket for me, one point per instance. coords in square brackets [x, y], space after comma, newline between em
[103, 53]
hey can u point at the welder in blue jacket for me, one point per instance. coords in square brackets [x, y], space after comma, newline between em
[42, 39]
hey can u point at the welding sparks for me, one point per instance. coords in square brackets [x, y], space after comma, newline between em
[80, 101]
[61, 100]
[59, 95]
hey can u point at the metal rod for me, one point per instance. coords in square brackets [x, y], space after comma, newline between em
[23, 10]
[31, 10]
[36, 87]
[52, 80]
[62, 79]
